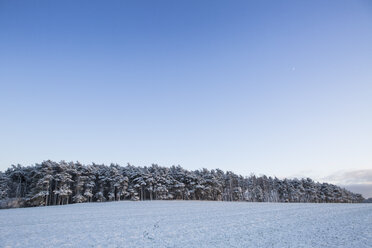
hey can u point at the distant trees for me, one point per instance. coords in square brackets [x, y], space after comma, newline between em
[52, 183]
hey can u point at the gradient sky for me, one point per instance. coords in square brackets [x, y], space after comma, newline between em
[282, 88]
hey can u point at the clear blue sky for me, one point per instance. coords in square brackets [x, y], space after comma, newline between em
[281, 88]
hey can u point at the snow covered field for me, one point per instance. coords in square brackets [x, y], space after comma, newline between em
[188, 224]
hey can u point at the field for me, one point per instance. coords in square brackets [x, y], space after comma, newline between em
[188, 224]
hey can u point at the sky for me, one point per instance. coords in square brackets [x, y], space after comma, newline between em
[281, 88]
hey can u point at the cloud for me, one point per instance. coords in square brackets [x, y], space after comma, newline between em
[351, 177]
[358, 181]
[364, 189]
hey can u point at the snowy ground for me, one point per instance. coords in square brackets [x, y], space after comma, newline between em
[188, 224]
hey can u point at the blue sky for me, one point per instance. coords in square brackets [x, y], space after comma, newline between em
[282, 88]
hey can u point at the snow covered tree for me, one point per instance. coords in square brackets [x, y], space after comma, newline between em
[52, 183]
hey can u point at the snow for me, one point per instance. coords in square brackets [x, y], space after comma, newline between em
[188, 224]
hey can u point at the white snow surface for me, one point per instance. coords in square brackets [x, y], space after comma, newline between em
[188, 224]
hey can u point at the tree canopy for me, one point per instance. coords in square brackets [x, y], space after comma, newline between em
[53, 183]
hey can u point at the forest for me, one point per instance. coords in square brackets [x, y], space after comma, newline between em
[53, 183]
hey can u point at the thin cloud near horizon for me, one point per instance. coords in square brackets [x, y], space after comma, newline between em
[351, 176]
[359, 181]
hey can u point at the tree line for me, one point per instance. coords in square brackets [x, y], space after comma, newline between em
[53, 183]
